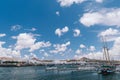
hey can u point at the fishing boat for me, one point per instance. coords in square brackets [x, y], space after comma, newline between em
[107, 67]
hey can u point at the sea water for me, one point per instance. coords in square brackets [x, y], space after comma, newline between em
[39, 73]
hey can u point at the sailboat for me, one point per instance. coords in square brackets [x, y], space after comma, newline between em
[107, 67]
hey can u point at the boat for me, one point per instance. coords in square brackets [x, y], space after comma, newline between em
[107, 67]
[51, 68]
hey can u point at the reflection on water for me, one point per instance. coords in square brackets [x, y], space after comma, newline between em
[109, 77]
[39, 73]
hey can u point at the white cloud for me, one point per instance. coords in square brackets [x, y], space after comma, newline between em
[16, 27]
[78, 51]
[8, 52]
[57, 13]
[24, 40]
[32, 55]
[2, 35]
[77, 57]
[65, 29]
[46, 54]
[26, 57]
[27, 40]
[32, 29]
[42, 58]
[99, 1]
[115, 50]
[14, 37]
[90, 19]
[76, 32]
[1, 43]
[29, 56]
[42, 50]
[93, 55]
[60, 32]
[92, 48]
[60, 47]
[67, 3]
[108, 17]
[82, 46]
[110, 34]
[39, 45]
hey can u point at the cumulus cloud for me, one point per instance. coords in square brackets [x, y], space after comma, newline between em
[95, 55]
[92, 48]
[1, 43]
[110, 34]
[42, 58]
[108, 17]
[90, 55]
[2, 35]
[46, 54]
[8, 52]
[115, 50]
[60, 47]
[16, 27]
[32, 29]
[57, 13]
[24, 40]
[39, 45]
[30, 56]
[82, 46]
[78, 51]
[60, 32]
[27, 40]
[67, 3]
[76, 32]
[13, 37]
[99, 1]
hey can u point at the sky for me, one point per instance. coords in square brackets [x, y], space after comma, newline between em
[59, 29]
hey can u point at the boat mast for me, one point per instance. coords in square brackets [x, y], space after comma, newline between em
[105, 51]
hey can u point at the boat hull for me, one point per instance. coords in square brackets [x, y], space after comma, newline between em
[105, 70]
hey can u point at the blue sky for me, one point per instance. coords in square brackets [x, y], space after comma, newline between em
[58, 29]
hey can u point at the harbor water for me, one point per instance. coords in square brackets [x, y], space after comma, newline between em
[39, 73]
